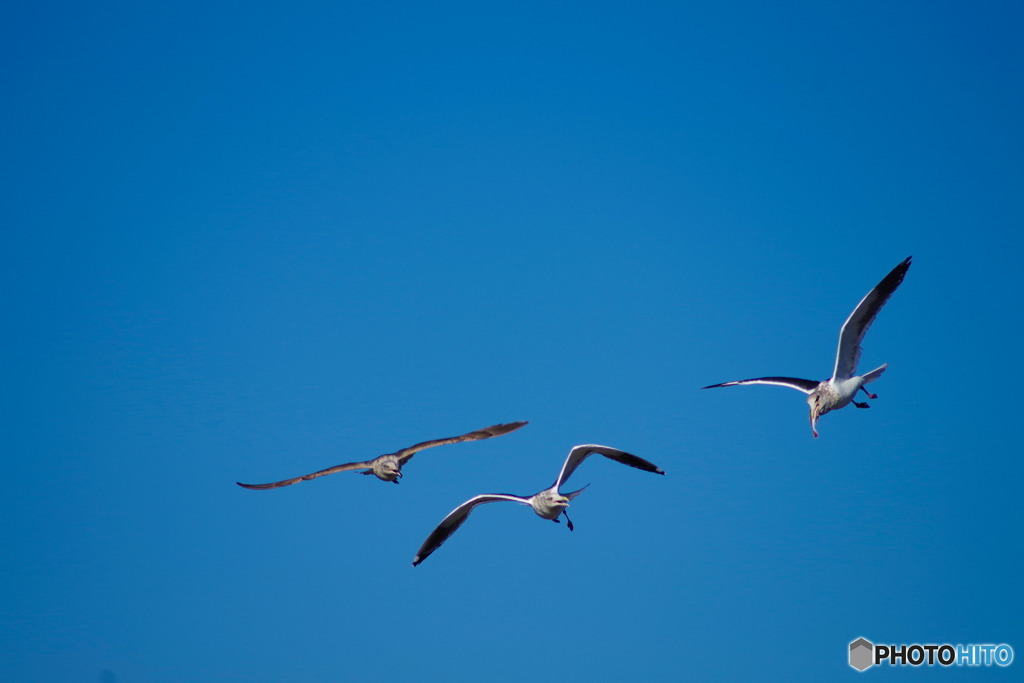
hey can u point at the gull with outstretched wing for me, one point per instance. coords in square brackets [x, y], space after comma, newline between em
[548, 504]
[840, 389]
[388, 467]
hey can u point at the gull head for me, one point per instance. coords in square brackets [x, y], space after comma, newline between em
[814, 420]
[818, 408]
[388, 469]
[549, 504]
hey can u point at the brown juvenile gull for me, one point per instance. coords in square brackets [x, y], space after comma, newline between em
[389, 466]
[549, 503]
[839, 390]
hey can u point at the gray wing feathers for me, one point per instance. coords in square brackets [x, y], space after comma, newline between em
[330, 470]
[804, 385]
[485, 433]
[450, 524]
[580, 453]
[855, 327]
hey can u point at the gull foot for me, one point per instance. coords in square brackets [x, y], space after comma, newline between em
[861, 405]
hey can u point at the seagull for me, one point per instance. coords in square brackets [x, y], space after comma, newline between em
[388, 467]
[840, 390]
[549, 503]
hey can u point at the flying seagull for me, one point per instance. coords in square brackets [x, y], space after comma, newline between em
[388, 467]
[839, 390]
[549, 503]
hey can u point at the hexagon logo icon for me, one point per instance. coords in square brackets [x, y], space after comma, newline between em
[862, 654]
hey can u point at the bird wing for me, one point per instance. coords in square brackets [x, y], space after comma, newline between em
[454, 520]
[580, 453]
[486, 433]
[848, 354]
[330, 470]
[804, 385]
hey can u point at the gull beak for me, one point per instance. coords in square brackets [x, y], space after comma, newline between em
[814, 422]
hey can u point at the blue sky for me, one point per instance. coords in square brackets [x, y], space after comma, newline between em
[249, 241]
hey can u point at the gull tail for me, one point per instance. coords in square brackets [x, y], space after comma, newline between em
[572, 495]
[875, 374]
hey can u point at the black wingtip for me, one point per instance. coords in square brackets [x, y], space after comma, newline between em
[895, 277]
[255, 487]
[659, 471]
[504, 428]
[416, 560]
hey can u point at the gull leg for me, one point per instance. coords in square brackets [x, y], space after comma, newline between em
[870, 395]
[567, 520]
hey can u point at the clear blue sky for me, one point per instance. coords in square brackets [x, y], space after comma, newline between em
[245, 241]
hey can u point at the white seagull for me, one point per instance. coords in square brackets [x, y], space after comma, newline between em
[388, 467]
[839, 390]
[549, 503]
